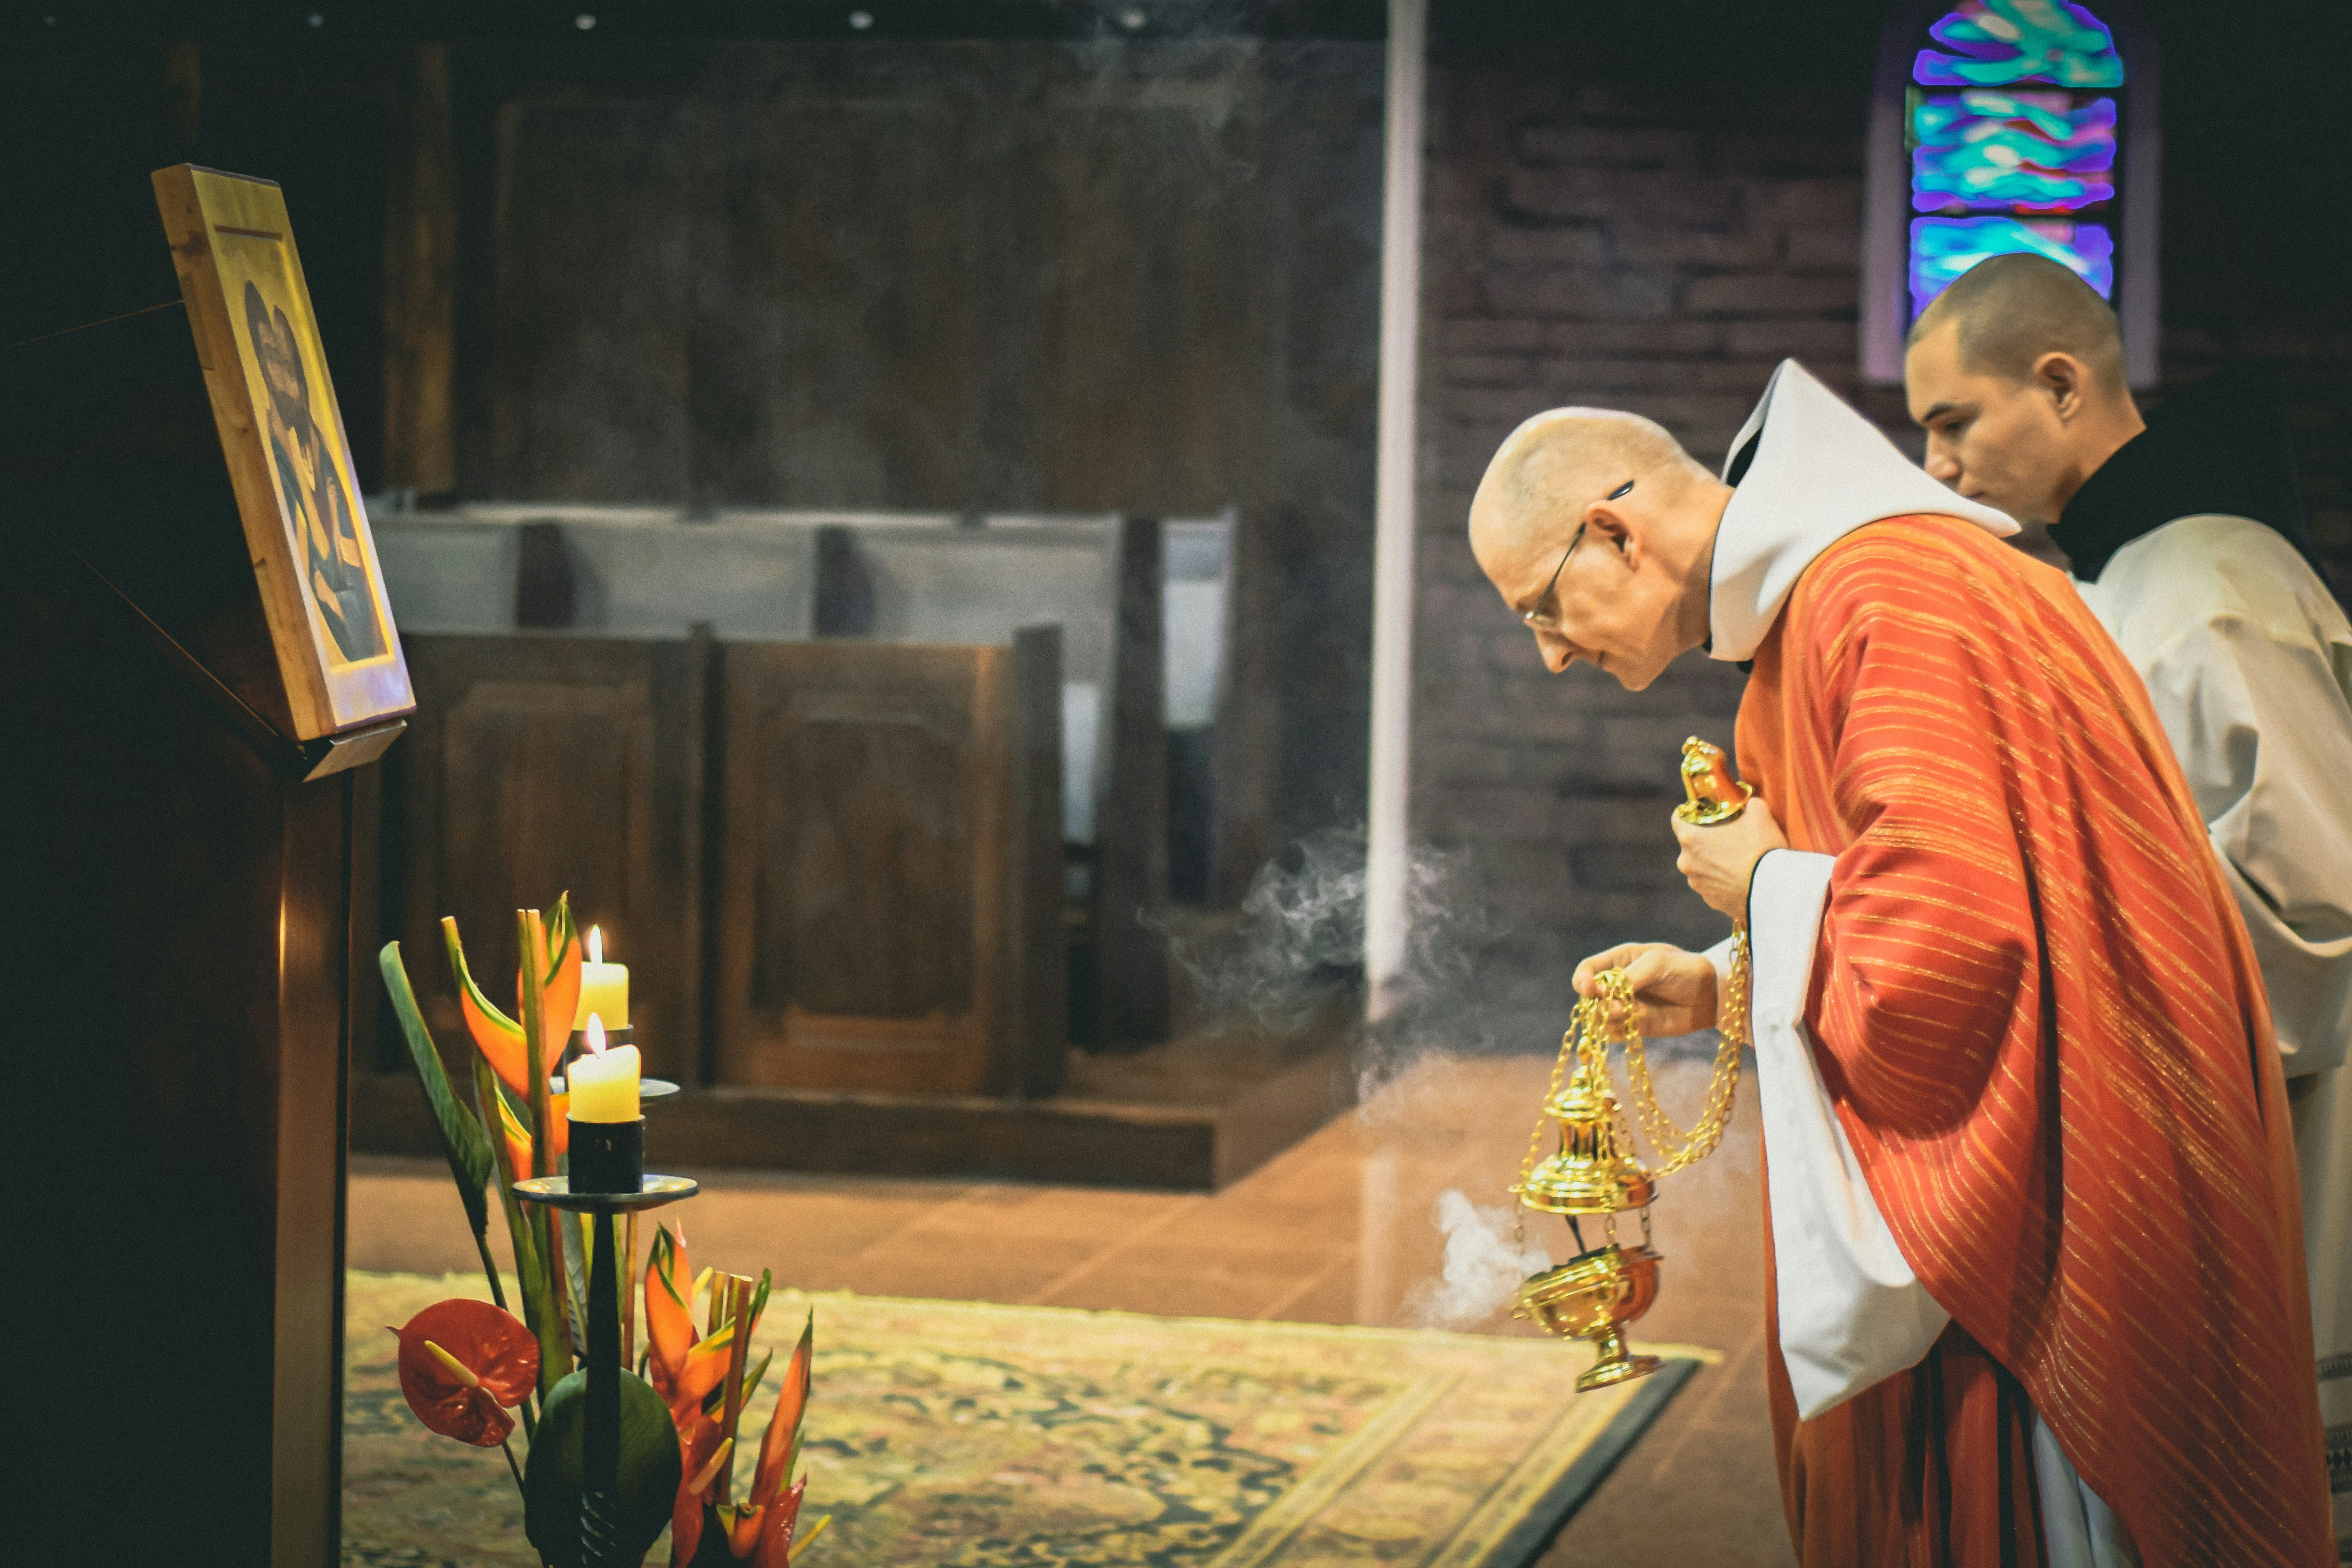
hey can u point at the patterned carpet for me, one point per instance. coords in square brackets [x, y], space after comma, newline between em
[983, 1436]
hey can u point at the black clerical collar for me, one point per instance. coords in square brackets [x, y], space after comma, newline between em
[2218, 447]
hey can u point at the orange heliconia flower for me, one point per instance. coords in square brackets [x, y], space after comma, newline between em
[685, 1369]
[781, 1445]
[499, 1038]
[462, 1363]
[559, 1133]
[670, 1314]
[761, 1533]
[761, 1529]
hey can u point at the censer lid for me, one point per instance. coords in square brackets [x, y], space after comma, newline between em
[1593, 1172]
[1565, 1185]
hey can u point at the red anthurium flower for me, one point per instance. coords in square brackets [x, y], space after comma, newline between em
[460, 1362]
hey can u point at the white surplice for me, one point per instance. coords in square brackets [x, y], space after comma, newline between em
[2248, 659]
[1851, 1311]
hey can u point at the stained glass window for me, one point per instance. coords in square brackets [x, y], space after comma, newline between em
[2012, 121]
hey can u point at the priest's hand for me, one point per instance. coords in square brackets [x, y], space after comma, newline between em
[1720, 860]
[1675, 988]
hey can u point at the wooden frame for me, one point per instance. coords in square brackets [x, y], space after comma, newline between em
[288, 458]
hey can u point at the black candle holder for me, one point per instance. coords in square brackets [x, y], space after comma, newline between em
[608, 1156]
[600, 1469]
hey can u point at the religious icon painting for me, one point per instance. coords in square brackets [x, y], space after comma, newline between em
[288, 458]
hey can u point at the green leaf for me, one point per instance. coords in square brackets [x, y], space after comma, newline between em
[471, 1163]
[759, 1300]
[577, 1234]
[530, 1262]
[650, 1466]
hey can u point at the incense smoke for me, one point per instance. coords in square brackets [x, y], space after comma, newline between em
[1298, 947]
[1298, 943]
[1484, 1266]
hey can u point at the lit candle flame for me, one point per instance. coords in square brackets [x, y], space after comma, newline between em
[596, 944]
[596, 1033]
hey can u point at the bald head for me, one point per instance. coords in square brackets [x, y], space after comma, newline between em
[2012, 310]
[1555, 464]
[1595, 527]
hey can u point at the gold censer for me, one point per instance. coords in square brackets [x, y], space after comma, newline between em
[1596, 1293]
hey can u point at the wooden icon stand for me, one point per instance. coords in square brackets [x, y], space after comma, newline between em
[180, 841]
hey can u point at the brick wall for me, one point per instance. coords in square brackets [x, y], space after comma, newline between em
[1653, 249]
[1659, 248]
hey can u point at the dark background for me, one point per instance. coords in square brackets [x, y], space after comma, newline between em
[973, 257]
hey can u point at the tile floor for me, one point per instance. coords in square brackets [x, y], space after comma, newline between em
[1338, 1229]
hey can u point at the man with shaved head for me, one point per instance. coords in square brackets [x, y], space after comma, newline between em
[1632, 626]
[2038, 1290]
[2187, 530]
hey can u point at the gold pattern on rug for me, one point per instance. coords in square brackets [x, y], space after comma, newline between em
[990, 1437]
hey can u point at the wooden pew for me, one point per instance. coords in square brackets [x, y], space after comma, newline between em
[1100, 580]
[1197, 594]
[451, 572]
[888, 901]
[1150, 769]
[829, 865]
[624, 572]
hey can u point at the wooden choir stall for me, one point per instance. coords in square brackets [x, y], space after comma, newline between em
[880, 806]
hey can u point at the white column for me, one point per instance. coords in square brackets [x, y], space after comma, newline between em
[1386, 910]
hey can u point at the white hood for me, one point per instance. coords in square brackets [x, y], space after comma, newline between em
[1818, 471]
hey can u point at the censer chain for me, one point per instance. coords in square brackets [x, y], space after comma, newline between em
[1612, 1015]
[1618, 1018]
[1568, 1044]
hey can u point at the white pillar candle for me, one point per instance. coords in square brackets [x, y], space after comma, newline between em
[603, 987]
[604, 1084]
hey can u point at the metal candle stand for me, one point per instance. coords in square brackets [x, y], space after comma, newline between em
[622, 1155]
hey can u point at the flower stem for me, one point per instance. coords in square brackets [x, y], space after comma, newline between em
[490, 1268]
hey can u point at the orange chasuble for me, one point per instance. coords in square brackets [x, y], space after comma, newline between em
[2035, 1009]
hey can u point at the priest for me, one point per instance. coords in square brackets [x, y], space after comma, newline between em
[2037, 1273]
[2186, 535]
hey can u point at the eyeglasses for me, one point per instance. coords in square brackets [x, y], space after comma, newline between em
[1544, 620]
